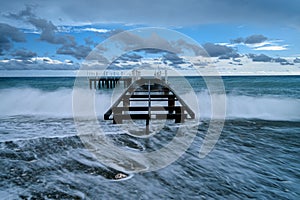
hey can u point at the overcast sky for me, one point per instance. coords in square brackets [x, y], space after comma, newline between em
[60, 34]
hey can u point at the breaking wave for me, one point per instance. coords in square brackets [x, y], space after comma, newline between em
[58, 103]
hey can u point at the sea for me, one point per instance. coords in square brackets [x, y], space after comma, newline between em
[257, 155]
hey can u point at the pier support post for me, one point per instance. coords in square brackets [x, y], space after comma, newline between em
[90, 83]
[171, 104]
[179, 115]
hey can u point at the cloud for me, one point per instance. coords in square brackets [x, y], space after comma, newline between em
[167, 12]
[97, 30]
[238, 40]
[77, 51]
[48, 34]
[297, 60]
[183, 45]
[175, 59]
[23, 54]
[260, 43]
[260, 58]
[47, 28]
[37, 63]
[9, 34]
[134, 41]
[280, 60]
[21, 14]
[130, 57]
[151, 51]
[155, 42]
[216, 50]
[254, 39]
[232, 55]
[272, 48]
[265, 58]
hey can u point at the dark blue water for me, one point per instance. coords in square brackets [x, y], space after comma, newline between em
[256, 156]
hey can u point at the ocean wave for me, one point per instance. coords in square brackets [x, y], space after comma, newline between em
[58, 103]
[32, 101]
[250, 107]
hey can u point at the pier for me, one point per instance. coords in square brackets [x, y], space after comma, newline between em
[108, 82]
[149, 92]
[112, 79]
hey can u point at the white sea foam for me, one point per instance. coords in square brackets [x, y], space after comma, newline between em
[249, 107]
[29, 101]
[58, 103]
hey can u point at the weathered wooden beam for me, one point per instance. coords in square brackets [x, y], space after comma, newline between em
[151, 95]
[145, 108]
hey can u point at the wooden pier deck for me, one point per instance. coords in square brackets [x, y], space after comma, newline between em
[148, 92]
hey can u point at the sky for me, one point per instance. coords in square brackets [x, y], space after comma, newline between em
[237, 34]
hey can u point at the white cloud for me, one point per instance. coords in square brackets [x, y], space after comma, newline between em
[95, 30]
[37, 63]
[269, 45]
[272, 48]
[257, 45]
[46, 60]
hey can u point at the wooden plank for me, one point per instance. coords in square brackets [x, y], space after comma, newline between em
[131, 116]
[151, 99]
[151, 96]
[144, 108]
[146, 116]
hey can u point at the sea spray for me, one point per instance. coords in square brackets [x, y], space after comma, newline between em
[58, 103]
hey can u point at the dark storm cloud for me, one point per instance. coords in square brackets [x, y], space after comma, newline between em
[175, 59]
[77, 51]
[151, 50]
[238, 40]
[260, 58]
[48, 34]
[46, 27]
[252, 39]
[70, 47]
[9, 34]
[131, 57]
[156, 42]
[21, 14]
[280, 60]
[297, 60]
[133, 41]
[230, 55]
[265, 58]
[23, 54]
[215, 50]
[167, 12]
